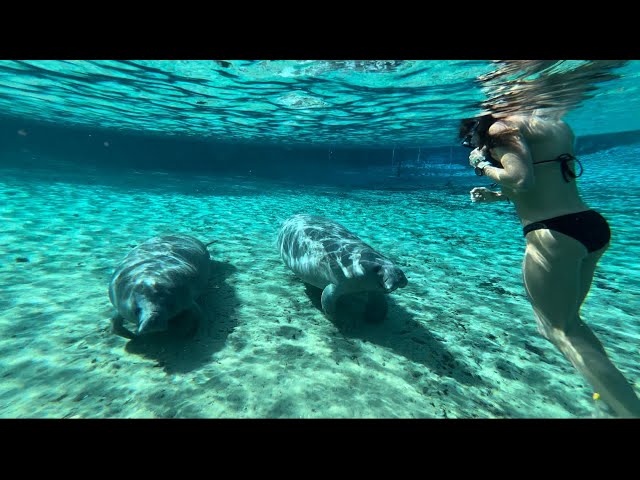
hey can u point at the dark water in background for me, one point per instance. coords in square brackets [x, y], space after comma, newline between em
[344, 122]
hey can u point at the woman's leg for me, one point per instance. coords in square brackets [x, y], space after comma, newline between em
[557, 272]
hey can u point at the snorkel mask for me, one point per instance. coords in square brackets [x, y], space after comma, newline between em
[467, 141]
[475, 131]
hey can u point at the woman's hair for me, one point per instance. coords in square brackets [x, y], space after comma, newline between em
[466, 126]
[480, 126]
[476, 126]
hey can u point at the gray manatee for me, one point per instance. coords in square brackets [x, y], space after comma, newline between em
[158, 280]
[326, 255]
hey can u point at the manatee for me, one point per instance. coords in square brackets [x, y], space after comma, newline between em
[158, 280]
[326, 255]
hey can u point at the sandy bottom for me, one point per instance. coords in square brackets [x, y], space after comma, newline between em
[460, 340]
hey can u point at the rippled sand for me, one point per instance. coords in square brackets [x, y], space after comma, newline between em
[459, 342]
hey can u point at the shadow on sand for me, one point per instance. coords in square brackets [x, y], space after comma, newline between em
[190, 341]
[399, 332]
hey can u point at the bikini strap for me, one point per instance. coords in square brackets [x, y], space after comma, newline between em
[564, 159]
[567, 174]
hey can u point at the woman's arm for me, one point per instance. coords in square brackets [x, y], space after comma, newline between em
[514, 156]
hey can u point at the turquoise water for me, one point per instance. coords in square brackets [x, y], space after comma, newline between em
[410, 103]
[460, 340]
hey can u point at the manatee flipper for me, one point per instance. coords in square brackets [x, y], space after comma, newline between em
[117, 327]
[329, 299]
[377, 307]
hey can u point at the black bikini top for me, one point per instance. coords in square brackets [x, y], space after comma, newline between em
[564, 160]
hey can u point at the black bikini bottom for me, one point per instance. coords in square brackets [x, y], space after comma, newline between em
[589, 228]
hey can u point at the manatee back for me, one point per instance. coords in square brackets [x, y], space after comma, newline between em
[177, 265]
[321, 251]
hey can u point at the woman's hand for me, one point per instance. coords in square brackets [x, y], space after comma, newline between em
[484, 195]
[476, 156]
